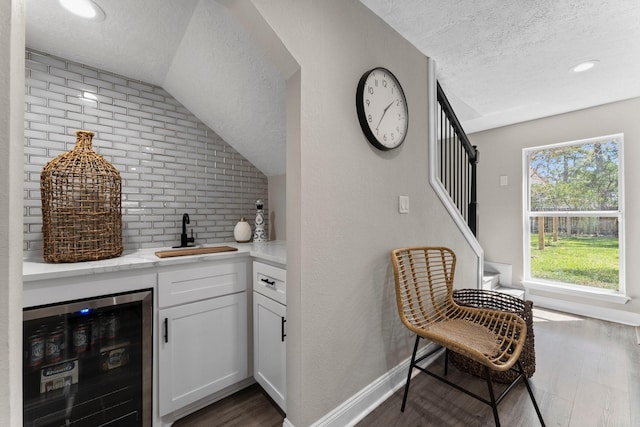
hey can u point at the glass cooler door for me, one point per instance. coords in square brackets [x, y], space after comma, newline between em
[88, 363]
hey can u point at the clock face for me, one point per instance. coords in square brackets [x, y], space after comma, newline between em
[382, 109]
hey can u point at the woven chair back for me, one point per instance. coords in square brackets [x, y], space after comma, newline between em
[424, 284]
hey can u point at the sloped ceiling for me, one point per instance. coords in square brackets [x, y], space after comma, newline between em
[194, 49]
[500, 62]
[230, 84]
[137, 39]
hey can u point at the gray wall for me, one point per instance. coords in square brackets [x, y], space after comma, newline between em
[342, 203]
[11, 130]
[501, 213]
[170, 162]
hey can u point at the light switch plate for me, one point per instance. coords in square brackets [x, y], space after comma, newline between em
[403, 204]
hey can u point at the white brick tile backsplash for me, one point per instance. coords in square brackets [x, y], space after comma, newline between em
[45, 59]
[66, 74]
[66, 90]
[136, 84]
[106, 76]
[65, 122]
[141, 101]
[125, 90]
[177, 115]
[82, 70]
[170, 162]
[46, 94]
[126, 104]
[113, 108]
[167, 106]
[152, 110]
[29, 82]
[110, 94]
[65, 106]
[98, 82]
[46, 127]
[34, 100]
[35, 65]
[45, 76]
[126, 118]
[85, 118]
[155, 97]
[84, 87]
[31, 116]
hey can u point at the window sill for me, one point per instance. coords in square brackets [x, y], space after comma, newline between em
[579, 291]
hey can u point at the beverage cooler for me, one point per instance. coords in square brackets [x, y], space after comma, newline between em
[89, 362]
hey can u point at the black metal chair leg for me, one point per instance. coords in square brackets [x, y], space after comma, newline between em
[413, 359]
[533, 399]
[494, 405]
[446, 361]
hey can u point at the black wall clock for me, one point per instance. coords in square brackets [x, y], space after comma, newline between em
[382, 109]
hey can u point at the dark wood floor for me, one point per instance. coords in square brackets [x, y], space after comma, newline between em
[250, 407]
[587, 374]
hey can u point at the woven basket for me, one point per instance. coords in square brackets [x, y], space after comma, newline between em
[81, 205]
[498, 301]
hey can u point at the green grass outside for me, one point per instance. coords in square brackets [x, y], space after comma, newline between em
[584, 260]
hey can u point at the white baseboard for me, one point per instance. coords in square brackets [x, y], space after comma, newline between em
[603, 313]
[366, 400]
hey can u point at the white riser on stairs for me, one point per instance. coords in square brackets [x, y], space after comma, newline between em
[491, 281]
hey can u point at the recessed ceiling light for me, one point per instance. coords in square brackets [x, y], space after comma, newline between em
[584, 66]
[84, 8]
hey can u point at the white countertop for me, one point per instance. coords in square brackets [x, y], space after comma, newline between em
[36, 269]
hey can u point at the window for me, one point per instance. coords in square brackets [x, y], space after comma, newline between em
[574, 218]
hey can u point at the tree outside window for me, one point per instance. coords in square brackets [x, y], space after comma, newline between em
[574, 213]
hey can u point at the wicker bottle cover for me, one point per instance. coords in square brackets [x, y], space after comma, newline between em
[81, 205]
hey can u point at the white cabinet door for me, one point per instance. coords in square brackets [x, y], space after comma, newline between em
[203, 349]
[269, 347]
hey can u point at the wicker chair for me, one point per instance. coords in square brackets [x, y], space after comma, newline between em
[493, 338]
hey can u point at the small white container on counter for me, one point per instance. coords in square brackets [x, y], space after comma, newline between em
[242, 231]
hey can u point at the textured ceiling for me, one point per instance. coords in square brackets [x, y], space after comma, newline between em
[138, 38]
[500, 62]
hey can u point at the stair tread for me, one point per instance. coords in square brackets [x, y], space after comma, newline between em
[510, 291]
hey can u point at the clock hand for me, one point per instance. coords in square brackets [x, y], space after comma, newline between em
[383, 113]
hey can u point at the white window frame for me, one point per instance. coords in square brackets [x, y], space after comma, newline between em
[609, 295]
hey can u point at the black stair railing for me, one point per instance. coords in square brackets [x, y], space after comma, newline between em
[457, 163]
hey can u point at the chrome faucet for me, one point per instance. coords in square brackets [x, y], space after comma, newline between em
[184, 240]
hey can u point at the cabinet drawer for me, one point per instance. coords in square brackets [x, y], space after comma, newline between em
[270, 281]
[196, 282]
